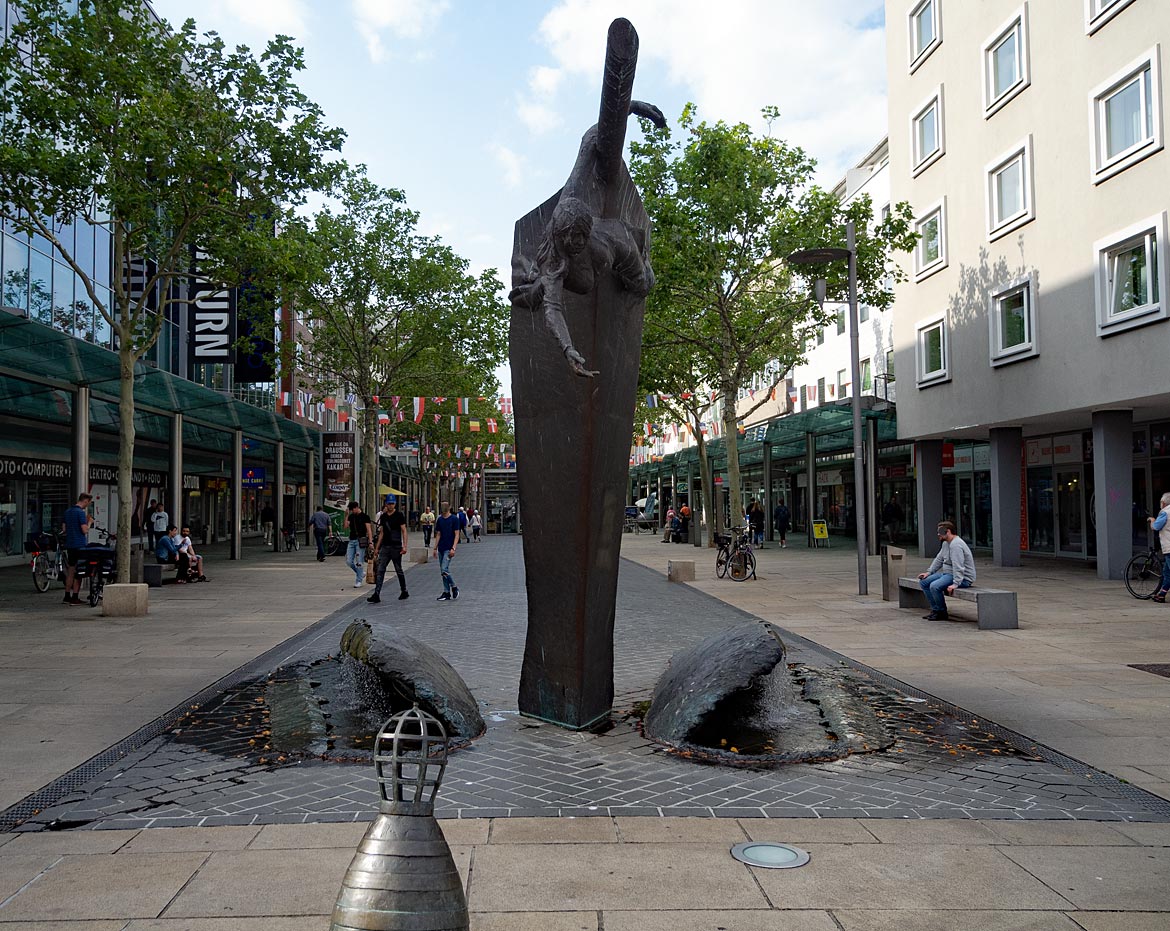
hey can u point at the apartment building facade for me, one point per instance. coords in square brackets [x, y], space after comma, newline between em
[1032, 331]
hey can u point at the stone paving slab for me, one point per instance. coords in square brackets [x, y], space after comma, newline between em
[1100, 878]
[943, 766]
[958, 920]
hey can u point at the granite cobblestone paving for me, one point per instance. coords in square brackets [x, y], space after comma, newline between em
[521, 767]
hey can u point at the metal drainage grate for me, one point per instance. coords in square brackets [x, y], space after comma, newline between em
[770, 855]
[1158, 669]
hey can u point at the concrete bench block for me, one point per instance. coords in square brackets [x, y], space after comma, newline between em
[680, 570]
[420, 554]
[152, 574]
[995, 609]
[129, 600]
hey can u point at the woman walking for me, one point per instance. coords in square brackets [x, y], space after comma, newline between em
[1160, 524]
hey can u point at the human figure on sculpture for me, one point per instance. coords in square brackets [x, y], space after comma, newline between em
[579, 246]
[953, 567]
[446, 539]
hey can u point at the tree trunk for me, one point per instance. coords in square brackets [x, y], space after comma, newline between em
[706, 503]
[369, 483]
[731, 442]
[125, 453]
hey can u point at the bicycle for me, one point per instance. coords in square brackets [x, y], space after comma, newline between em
[292, 542]
[335, 545]
[98, 564]
[734, 556]
[1143, 574]
[45, 569]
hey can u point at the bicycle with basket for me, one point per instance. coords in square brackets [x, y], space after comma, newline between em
[734, 556]
[99, 564]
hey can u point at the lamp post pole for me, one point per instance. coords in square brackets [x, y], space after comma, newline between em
[859, 502]
[820, 257]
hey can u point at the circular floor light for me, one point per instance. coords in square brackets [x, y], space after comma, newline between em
[770, 855]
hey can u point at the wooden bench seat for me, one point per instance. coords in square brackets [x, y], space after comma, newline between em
[995, 609]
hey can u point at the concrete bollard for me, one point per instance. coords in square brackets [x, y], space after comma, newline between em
[128, 600]
[893, 561]
[680, 570]
[420, 554]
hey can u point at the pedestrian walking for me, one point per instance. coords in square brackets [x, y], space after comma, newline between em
[268, 521]
[756, 521]
[781, 519]
[1159, 524]
[390, 547]
[320, 524]
[446, 539]
[361, 538]
[427, 522]
[892, 517]
[463, 522]
[476, 523]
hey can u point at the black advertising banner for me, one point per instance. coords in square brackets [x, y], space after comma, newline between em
[212, 316]
[256, 326]
[338, 463]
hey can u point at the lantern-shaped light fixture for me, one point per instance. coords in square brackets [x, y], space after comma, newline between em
[403, 877]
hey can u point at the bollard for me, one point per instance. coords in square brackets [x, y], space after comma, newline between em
[893, 561]
[403, 877]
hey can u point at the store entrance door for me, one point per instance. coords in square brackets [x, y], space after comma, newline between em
[1070, 513]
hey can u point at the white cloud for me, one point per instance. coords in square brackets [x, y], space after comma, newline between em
[822, 64]
[251, 22]
[408, 20]
[511, 162]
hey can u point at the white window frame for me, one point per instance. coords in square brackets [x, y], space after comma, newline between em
[919, 56]
[1098, 13]
[923, 271]
[1104, 167]
[1027, 349]
[1018, 23]
[1001, 226]
[1152, 312]
[921, 160]
[937, 376]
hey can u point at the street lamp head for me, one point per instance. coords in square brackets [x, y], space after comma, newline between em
[818, 256]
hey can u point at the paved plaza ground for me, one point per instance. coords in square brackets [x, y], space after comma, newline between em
[1025, 789]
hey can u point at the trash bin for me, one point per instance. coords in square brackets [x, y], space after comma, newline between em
[893, 562]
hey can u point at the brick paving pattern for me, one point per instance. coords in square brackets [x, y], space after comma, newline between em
[942, 765]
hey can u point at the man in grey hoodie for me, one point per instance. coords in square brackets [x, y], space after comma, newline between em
[953, 567]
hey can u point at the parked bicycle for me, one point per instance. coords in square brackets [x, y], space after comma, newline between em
[98, 564]
[1143, 574]
[48, 559]
[292, 542]
[335, 545]
[734, 555]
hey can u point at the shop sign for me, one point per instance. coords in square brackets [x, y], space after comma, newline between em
[290, 489]
[981, 457]
[15, 467]
[212, 315]
[1038, 452]
[253, 478]
[961, 459]
[190, 483]
[948, 455]
[108, 475]
[1067, 448]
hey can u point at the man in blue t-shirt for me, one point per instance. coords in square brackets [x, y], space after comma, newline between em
[446, 539]
[76, 523]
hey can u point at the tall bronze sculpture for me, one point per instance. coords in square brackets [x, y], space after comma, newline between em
[580, 275]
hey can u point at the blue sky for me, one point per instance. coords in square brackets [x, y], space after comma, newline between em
[475, 108]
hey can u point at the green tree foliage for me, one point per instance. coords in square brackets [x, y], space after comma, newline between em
[167, 140]
[389, 311]
[727, 206]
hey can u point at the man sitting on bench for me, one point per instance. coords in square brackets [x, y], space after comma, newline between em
[187, 548]
[167, 553]
[953, 567]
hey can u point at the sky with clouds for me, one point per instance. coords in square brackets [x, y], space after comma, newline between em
[475, 108]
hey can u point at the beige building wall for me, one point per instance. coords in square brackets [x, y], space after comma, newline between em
[1075, 367]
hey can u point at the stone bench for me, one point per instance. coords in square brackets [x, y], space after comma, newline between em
[680, 570]
[995, 609]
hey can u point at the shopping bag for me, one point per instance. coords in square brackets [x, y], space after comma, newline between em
[369, 572]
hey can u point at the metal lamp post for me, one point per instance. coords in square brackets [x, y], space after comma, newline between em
[821, 257]
[403, 877]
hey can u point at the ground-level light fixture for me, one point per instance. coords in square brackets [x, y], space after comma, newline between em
[770, 855]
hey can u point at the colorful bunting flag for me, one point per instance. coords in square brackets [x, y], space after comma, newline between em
[454, 424]
[491, 425]
[419, 406]
[464, 406]
[473, 425]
